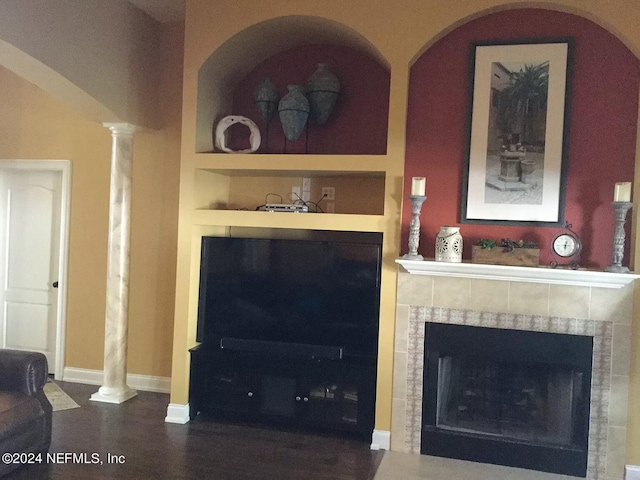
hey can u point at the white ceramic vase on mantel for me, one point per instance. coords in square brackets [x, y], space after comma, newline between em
[449, 245]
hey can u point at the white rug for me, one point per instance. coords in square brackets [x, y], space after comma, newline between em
[58, 398]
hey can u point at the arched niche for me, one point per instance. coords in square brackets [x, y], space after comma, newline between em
[220, 74]
[602, 126]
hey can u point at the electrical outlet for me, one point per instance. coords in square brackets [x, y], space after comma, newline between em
[329, 193]
[331, 207]
[306, 184]
[295, 194]
[306, 196]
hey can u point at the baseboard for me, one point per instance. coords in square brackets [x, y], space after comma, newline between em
[177, 413]
[632, 472]
[381, 440]
[146, 383]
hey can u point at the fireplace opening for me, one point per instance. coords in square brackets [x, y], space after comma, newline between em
[532, 402]
[507, 397]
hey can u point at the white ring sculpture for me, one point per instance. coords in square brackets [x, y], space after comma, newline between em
[226, 122]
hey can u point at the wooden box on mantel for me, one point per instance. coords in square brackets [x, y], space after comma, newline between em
[518, 257]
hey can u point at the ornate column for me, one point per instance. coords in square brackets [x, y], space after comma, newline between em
[114, 388]
[414, 227]
[621, 209]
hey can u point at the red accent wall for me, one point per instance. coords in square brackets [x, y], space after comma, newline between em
[358, 123]
[603, 118]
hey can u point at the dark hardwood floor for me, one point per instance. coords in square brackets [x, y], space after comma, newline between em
[200, 449]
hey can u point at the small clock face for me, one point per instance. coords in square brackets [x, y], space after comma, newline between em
[565, 245]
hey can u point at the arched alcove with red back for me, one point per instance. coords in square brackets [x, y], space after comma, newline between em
[602, 129]
[288, 49]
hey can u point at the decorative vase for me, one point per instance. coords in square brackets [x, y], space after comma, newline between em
[293, 110]
[266, 98]
[449, 245]
[323, 88]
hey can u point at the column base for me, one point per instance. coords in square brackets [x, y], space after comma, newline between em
[617, 269]
[114, 395]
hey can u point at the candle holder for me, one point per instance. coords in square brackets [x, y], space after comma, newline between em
[414, 227]
[621, 209]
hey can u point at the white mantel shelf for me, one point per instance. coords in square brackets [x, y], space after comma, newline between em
[556, 276]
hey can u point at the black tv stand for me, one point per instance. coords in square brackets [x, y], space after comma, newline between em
[320, 394]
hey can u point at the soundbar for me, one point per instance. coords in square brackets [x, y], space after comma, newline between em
[282, 348]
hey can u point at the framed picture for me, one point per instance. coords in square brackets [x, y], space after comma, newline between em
[515, 171]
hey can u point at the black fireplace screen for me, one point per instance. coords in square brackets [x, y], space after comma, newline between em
[531, 402]
[507, 397]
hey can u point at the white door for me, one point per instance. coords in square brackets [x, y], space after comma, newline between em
[30, 209]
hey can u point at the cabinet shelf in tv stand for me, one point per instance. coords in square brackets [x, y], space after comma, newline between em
[312, 393]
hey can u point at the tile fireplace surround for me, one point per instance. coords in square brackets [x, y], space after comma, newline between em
[535, 299]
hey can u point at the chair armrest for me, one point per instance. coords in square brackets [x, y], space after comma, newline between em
[21, 371]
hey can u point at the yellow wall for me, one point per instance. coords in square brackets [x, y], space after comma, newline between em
[34, 125]
[399, 31]
[154, 220]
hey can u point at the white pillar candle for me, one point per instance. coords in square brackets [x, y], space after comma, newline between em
[418, 186]
[622, 192]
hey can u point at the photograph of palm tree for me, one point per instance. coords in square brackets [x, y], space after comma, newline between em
[516, 148]
[516, 134]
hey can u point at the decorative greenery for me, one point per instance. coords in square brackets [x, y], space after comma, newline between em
[507, 243]
[486, 244]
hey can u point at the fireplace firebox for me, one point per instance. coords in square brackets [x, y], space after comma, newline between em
[507, 397]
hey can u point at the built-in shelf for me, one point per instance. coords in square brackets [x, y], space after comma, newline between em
[291, 165]
[305, 221]
[556, 276]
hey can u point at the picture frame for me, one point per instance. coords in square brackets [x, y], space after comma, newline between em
[517, 134]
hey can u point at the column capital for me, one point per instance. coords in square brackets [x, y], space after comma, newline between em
[120, 128]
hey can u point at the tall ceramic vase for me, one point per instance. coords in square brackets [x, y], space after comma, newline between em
[293, 110]
[449, 245]
[323, 88]
[266, 99]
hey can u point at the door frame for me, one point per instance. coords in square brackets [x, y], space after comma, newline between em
[63, 166]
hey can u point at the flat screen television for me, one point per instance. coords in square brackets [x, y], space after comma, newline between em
[290, 292]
